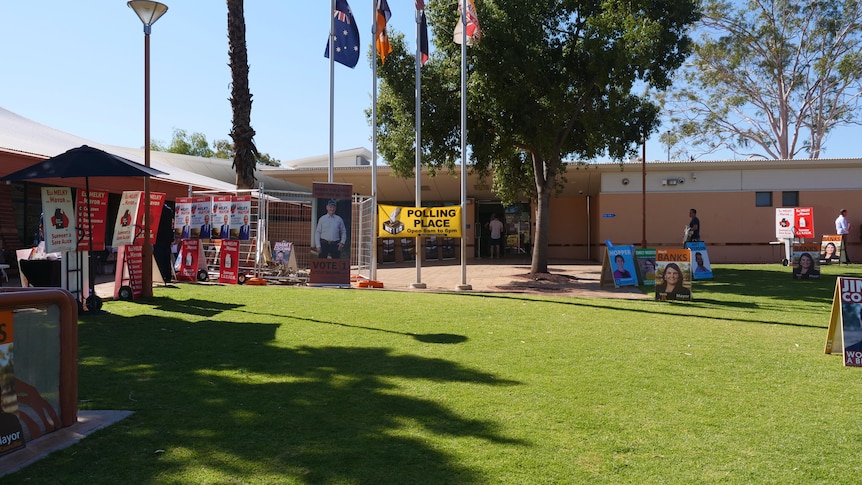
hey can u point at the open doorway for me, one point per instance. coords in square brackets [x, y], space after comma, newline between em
[484, 211]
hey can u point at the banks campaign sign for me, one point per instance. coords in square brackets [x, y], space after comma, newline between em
[398, 221]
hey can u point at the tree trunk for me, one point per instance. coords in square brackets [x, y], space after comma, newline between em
[546, 177]
[245, 153]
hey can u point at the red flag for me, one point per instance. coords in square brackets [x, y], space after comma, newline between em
[474, 33]
[384, 48]
[423, 31]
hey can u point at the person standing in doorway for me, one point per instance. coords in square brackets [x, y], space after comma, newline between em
[842, 227]
[693, 228]
[497, 228]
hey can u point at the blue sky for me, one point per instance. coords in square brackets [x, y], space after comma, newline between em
[78, 67]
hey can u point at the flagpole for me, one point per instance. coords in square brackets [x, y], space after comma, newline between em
[418, 283]
[464, 285]
[373, 272]
[331, 89]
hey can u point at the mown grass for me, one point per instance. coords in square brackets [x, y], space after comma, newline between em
[311, 386]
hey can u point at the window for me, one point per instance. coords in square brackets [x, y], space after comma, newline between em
[763, 199]
[790, 199]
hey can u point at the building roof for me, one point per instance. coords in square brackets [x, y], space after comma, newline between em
[24, 136]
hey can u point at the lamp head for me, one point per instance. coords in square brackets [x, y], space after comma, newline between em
[148, 12]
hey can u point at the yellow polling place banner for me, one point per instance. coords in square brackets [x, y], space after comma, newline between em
[395, 221]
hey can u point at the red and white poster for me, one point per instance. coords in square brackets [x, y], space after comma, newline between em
[130, 270]
[157, 200]
[124, 229]
[221, 217]
[183, 217]
[228, 262]
[189, 257]
[57, 210]
[92, 213]
[240, 213]
[202, 213]
[791, 222]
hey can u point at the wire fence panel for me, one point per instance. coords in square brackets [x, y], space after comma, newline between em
[284, 218]
[363, 230]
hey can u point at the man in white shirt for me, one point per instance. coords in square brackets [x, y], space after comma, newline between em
[842, 227]
[331, 234]
[497, 229]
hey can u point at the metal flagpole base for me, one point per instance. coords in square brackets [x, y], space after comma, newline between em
[419, 286]
[464, 287]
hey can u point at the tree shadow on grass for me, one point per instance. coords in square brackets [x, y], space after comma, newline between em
[676, 309]
[428, 338]
[219, 396]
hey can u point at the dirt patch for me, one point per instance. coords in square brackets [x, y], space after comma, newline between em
[543, 283]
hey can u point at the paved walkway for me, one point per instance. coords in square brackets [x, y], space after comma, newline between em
[569, 278]
[506, 276]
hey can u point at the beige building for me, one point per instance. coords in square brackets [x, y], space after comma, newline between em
[735, 200]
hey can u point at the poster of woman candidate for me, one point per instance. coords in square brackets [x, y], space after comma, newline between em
[805, 261]
[673, 274]
[622, 260]
[845, 323]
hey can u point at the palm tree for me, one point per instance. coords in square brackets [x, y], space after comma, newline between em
[245, 153]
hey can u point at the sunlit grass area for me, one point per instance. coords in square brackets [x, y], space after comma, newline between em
[241, 384]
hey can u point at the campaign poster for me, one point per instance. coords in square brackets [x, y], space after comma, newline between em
[157, 201]
[240, 215]
[92, 212]
[183, 217]
[805, 260]
[130, 270]
[804, 217]
[330, 256]
[673, 274]
[202, 212]
[124, 229]
[221, 217]
[229, 262]
[281, 252]
[701, 268]
[830, 249]
[646, 264]
[622, 260]
[60, 234]
[188, 260]
[846, 308]
[11, 436]
[784, 225]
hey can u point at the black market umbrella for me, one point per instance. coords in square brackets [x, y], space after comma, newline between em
[84, 161]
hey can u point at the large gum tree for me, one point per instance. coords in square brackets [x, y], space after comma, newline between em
[550, 80]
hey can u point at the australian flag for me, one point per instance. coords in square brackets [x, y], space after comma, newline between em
[346, 41]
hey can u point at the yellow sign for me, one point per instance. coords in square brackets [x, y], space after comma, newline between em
[418, 221]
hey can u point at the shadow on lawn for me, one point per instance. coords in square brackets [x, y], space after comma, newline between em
[727, 291]
[428, 338]
[219, 396]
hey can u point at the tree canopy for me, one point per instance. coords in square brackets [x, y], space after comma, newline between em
[196, 144]
[770, 78]
[549, 81]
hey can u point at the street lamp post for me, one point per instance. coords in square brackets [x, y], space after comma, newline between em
[148, 12]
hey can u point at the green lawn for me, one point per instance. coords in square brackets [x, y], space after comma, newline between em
[262, 385]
